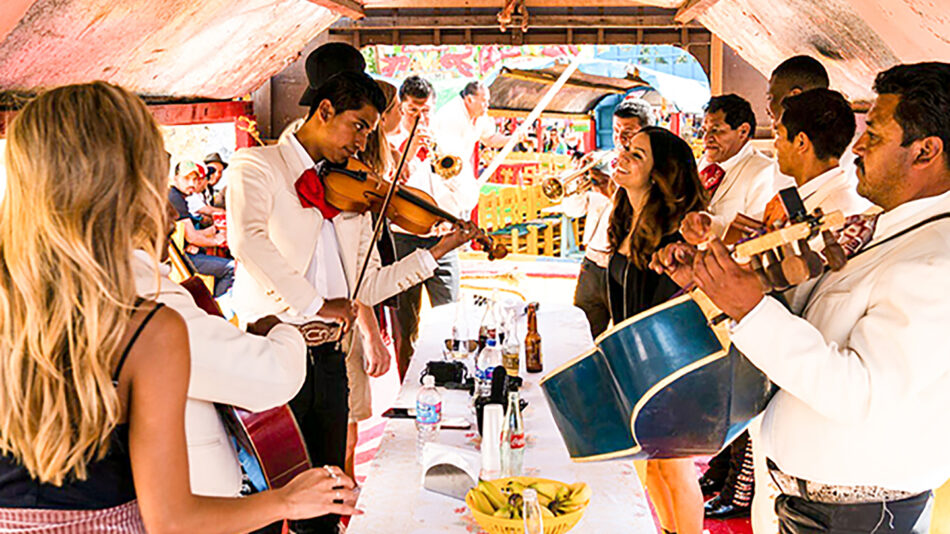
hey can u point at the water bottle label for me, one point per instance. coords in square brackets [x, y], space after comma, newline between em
[428, 414]
[484, 374]
[517, 441]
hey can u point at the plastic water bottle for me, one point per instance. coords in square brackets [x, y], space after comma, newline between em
[428, 413]
[533, 521]
[486, 361]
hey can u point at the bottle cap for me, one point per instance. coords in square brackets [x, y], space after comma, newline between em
[428, 381]
[490, 342]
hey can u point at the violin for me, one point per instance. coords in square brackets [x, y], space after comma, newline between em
[356, 187]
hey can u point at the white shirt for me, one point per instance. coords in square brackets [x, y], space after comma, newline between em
[195, 202]
[866, 370]
[596, 208]
[834, 189]
[458, 134]
[325, 271]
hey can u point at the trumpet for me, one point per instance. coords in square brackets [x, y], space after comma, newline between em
[445, 165]
[574, 182]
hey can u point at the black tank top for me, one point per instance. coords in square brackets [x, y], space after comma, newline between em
[109, 481]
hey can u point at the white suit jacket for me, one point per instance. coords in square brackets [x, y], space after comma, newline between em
[866, 370]
[228, 366]
[751, 180]
[273, 238]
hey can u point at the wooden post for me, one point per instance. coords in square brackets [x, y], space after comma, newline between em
[715, 65]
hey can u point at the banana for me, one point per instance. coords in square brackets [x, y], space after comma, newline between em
[563, 493]
[580, 493]
[493, 493]
[546, 512]
[481, 502]
[516, 487]
[546, 489]
[567, 508]
[543, 500]
[503, 512]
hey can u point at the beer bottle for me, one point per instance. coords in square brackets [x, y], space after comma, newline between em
[532, 341]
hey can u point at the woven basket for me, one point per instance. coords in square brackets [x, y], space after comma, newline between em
[496, 525]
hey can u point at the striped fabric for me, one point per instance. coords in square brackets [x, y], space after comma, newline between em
[123, 519]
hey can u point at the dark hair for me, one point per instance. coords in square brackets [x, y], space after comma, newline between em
[635, 108]
[416, 87]
[737, 109]
[349, 90]
[802, 72]
[675, 190]
[924, 106]
[471, 88]
[825, 116]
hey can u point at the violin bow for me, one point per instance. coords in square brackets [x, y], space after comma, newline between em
[378, 228]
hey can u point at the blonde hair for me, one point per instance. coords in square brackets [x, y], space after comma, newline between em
[379, 154]
[86, 169]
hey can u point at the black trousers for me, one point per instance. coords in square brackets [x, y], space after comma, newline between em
[908, 516]
[590, 295]
[740, 480]
[322, 411]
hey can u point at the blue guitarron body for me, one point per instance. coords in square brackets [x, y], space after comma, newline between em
[663, 384]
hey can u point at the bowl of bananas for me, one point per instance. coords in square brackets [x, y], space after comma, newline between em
[497, 505]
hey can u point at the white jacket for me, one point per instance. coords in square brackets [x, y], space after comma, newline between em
[228, 366]
[866, 370]
[751, 180]
[273, 238]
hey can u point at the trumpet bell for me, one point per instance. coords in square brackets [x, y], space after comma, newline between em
[448, 166]
[553, 189]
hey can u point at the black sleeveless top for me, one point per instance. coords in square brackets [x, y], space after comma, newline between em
[109, 481]
[631, 290]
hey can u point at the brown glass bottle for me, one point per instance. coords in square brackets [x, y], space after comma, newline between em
[532, 342]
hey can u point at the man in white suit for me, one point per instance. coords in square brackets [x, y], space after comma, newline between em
[864, 371]
[299, 257]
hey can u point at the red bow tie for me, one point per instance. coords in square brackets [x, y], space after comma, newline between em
[312, 195]
[711, 175]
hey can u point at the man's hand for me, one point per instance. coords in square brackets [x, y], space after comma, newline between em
[731, 287]
[376, 357]
[263, 326]
[464, 231]
[602, 183]
[676, 261]
[342, 310]
[696, 228]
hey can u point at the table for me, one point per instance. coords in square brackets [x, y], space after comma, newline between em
[392, 496]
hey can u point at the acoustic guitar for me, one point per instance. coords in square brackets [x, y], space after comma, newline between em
[270, 446]
[667, 383]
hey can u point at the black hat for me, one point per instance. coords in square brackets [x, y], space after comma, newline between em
[214, 157]
[327, 60]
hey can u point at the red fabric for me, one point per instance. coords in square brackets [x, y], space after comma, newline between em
[311, 194]
[124, 518]
[711, 176]
[421, 155]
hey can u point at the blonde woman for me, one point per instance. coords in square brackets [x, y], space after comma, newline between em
[92, 378]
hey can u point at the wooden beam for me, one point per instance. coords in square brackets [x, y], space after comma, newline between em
[348, 8]
[693, 9]
[427, 22]
[10, 15]
[715, 66]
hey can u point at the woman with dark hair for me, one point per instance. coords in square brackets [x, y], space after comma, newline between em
[657, 185]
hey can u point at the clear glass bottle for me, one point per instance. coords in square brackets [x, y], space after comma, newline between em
[428, 413]
[511, 349]
[533, 521]
[513, 437]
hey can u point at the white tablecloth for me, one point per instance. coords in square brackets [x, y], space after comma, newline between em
[393, 498]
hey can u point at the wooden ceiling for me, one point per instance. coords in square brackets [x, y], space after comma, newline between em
[225, 48]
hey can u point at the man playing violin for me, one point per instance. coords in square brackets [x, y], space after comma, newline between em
[299, 257]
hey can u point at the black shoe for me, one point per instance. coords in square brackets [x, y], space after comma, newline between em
[716, 509]
[709, 486]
